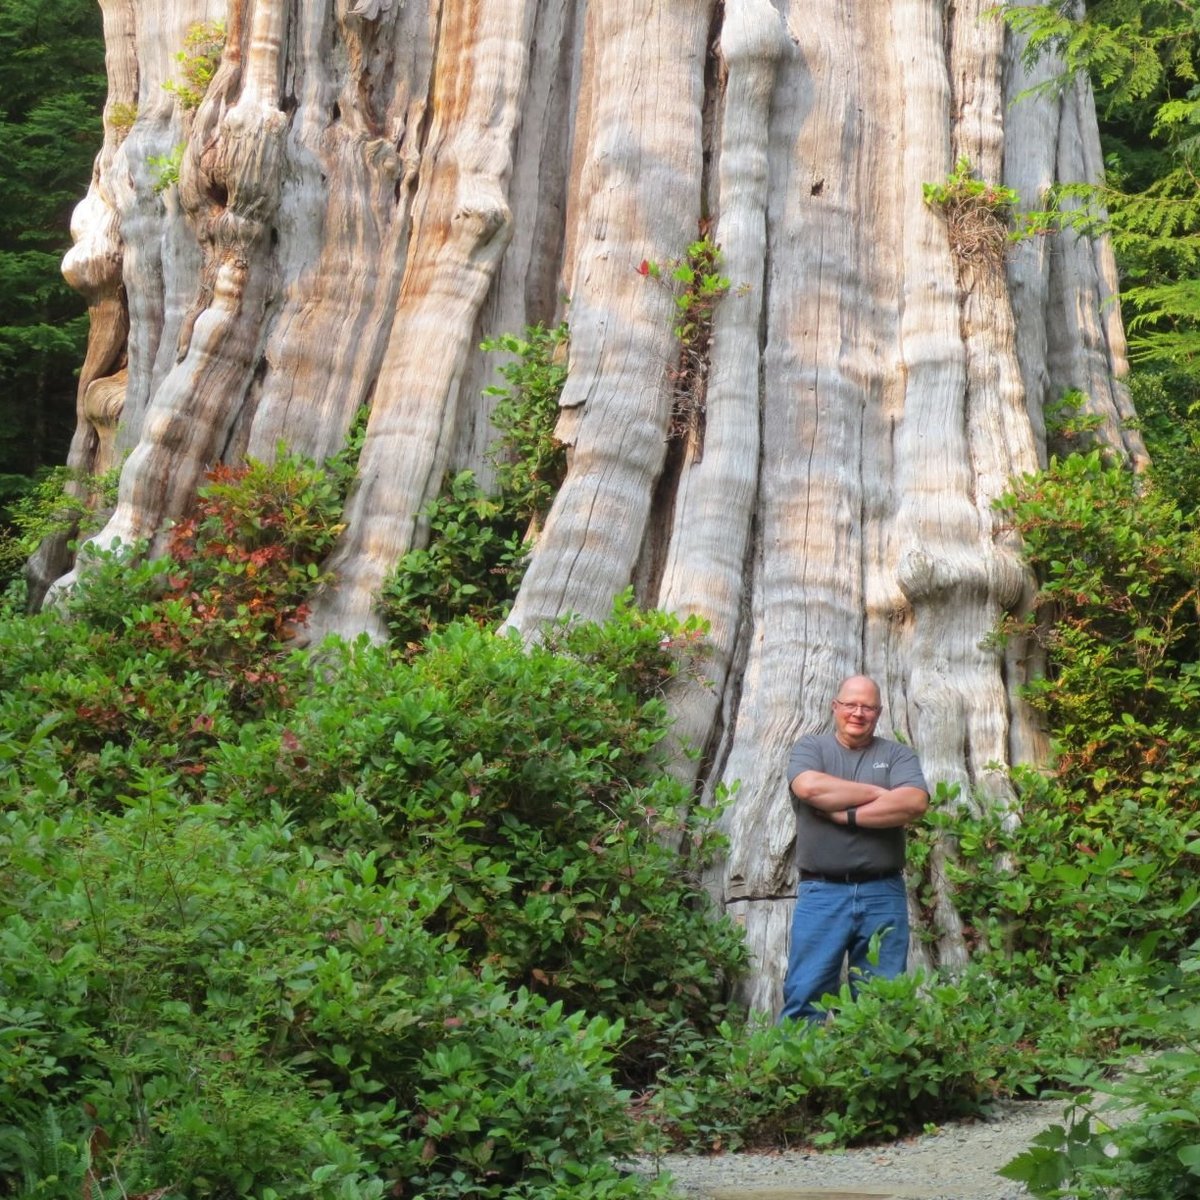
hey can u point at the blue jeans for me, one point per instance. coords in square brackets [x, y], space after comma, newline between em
[833, 919]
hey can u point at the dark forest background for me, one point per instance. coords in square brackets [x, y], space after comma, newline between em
[52, 89]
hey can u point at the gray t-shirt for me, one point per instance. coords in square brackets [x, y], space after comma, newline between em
[833, 849]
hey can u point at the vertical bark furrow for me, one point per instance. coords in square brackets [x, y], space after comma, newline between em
[347, 199]
[1000, 435]
[716, 494]
[461, 226]
[1085, 354]
[526, 290]
[1032, 130]
[637, 198]
[953, 457]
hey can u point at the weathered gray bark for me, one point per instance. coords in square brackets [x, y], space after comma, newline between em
[369, 188]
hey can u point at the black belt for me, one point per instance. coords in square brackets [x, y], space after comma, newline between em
[847, 876]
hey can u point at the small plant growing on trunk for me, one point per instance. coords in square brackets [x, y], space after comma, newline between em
[166, 168]
[121, 117]
[479, 541]
[699, 287]
[202, 48]
[977, 214]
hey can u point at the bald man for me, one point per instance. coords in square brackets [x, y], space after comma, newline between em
[853, 793]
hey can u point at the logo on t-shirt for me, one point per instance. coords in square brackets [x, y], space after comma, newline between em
[881, 765]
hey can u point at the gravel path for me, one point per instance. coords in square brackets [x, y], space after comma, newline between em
[958, 1162]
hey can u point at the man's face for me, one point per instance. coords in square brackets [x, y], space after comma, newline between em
[855, 712]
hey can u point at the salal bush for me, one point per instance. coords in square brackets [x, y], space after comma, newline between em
[344, 922]
[210, 1008]
[1118, 564]
[1132, 1134]
[520, 785]
[903, 1053]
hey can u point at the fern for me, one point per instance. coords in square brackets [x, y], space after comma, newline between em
[1142, 56]
[50, 1163]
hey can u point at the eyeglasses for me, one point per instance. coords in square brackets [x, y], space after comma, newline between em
[869, 710]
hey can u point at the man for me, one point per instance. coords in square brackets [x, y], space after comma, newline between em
[853, 794]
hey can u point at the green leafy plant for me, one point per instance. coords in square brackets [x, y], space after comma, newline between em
[399, 920]
[522, 783]
[165, 168]
[478, 541]
[341, 468]
[906, 1051]
[58, 501]
[1099, 865]
[698, 287]
[153, 662]
[242, 566]
[257, 530]
[1135, 1134]
[471, 567]
[230, 1014]
[978, 214]
[316, 966]
[203, 45]
[529, 460]
[1118, 569]
[1083, 879]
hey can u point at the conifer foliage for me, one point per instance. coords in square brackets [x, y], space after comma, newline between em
[1143, 57]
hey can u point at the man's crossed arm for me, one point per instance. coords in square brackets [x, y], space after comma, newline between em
[874, 807]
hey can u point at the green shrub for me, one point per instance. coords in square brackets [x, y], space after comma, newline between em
[1080, 878]
[58, 501]
[155, 663]
[520, 783]
[478, 542]
[206, 1006]
[471, 567]
[529, 460]
[280, 926]
[249, 553]
[1118, 568]
[908, 1051]
[1135, 1135]
[1102, 862]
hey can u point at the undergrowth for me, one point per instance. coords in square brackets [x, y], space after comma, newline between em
[405, 925]
[408, 921]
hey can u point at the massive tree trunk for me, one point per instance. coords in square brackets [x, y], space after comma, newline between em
[370, 186]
